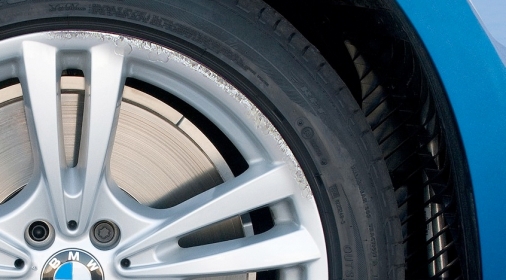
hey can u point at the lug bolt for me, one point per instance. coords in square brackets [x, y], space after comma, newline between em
[40, 235]
[104, 235]
[39, 231]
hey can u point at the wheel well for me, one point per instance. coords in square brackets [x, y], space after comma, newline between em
[376, 51]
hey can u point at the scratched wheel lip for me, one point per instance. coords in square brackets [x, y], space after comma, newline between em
[239, 119]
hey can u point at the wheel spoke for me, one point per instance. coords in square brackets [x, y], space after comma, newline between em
[282, 246]
[72, 190]
[42, 100]
[103, 95]
[260, 185]
[8, 255]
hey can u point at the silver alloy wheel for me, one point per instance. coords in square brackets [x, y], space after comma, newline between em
[89, 192]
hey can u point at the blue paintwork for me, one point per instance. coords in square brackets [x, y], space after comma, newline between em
[475, 80]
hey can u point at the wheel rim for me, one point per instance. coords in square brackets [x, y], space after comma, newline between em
[88, 193]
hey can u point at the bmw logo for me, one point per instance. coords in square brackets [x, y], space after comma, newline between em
[72, 264]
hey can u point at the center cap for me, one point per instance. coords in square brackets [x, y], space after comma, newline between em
[72, 264]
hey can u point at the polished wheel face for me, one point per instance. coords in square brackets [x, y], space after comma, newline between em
[100, 160]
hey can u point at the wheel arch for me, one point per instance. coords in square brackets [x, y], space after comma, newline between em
[461, 73]
[474, 79]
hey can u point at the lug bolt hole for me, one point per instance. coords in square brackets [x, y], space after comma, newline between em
[125, 263]
[19, 263]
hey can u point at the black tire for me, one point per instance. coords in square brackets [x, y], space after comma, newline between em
[261, 54]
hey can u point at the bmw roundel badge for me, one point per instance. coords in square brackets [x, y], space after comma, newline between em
[72, 264]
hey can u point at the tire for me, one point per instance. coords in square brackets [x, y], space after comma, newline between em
[251, 87]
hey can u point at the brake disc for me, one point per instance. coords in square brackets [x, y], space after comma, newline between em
[159, 157]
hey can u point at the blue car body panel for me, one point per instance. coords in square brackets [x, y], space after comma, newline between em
[475, 81]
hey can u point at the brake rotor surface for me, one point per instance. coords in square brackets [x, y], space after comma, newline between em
[159, 157]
